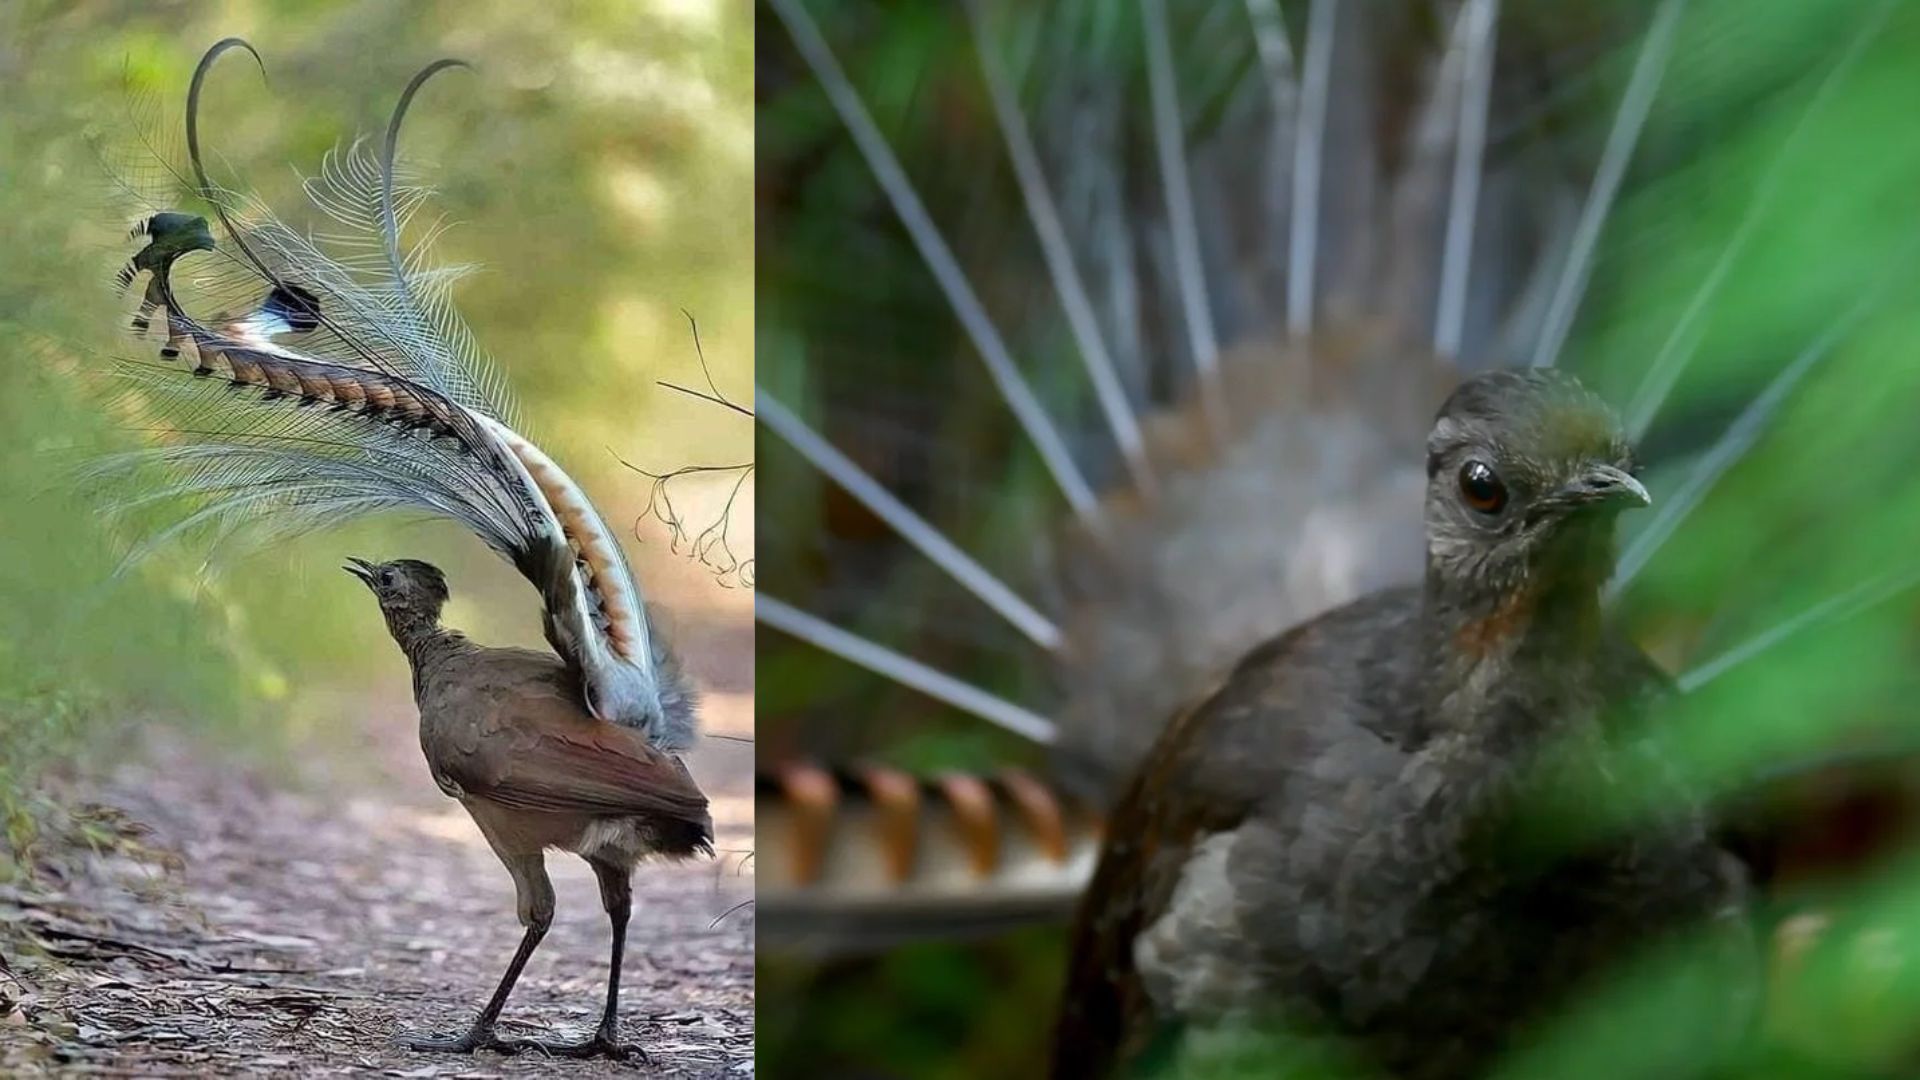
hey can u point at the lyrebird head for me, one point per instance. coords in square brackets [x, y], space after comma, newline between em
[1526, 471]
[411, 592]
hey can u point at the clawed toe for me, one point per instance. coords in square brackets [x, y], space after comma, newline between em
[465, 1043]
[601, 1045]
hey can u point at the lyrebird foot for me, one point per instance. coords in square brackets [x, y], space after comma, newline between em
[473, 1039]
[603, 1044]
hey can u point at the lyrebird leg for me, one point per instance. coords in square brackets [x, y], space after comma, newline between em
[616, 893]
[178, 333]
[151, 299]
[536, 914]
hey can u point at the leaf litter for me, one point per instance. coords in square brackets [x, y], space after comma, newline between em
[196, 920]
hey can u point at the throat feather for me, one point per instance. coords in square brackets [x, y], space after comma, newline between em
[1502, 627]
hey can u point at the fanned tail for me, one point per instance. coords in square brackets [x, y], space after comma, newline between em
[1276, 234]
[351, 387]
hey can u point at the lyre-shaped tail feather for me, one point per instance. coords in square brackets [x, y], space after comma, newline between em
[865, 859]
[383, 403]
[595, 616]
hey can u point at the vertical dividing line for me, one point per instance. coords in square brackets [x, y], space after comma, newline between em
[1482, 21]
[904, 670]
[940, 261]
[1058, 252]
[1627, 122]
[1170, 140]
[1303, 235]
[913, 528]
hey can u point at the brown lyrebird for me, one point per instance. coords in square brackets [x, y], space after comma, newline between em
[1337, 838]
[350, 390]
[506, 732]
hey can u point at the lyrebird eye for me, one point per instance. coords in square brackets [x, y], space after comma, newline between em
[1481, 488]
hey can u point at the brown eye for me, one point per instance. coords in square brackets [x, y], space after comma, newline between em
[1481, 489]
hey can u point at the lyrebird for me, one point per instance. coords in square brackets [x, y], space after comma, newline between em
[1157, 402]
[352, 387]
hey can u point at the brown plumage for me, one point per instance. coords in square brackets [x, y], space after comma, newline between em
[1327, 842]
[506, 732]
[352, 388]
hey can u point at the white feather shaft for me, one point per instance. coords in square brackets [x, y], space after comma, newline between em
[1169, 139]
[1482, 20]
[915, 529]
[1627, 122]
[904, 670]
[1303, 234]
[940, 262]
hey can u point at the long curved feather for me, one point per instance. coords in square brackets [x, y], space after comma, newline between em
[353, 388]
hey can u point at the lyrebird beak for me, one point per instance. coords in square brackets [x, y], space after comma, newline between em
[361, 569]
[1605, 485]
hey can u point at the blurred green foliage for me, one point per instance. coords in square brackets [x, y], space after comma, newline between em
[1817, 182]
[595, 165]
[931, 1010]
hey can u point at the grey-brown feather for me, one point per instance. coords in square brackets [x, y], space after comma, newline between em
[1315, 502]
[1323, 838]
[508, 733]
[490, 720]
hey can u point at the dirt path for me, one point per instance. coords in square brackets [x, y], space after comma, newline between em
[300, 931]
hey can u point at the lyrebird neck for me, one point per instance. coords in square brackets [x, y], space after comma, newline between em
[1519, 655]
[426, 643]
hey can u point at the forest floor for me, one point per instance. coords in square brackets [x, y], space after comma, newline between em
[198, 917]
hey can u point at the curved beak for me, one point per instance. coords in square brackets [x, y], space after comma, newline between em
[361, 569]
[1604, 486]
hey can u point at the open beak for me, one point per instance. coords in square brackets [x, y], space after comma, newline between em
[361, 569]
[1604, 486]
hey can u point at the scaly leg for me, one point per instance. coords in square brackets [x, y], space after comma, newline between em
[536, 911]
[616, 893]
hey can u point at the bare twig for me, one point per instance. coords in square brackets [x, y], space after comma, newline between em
[723, 915]
[713, 394]
[709, 398]
[712, 546]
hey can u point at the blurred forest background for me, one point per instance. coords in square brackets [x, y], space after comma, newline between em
[595, 164]
[1763, 233]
